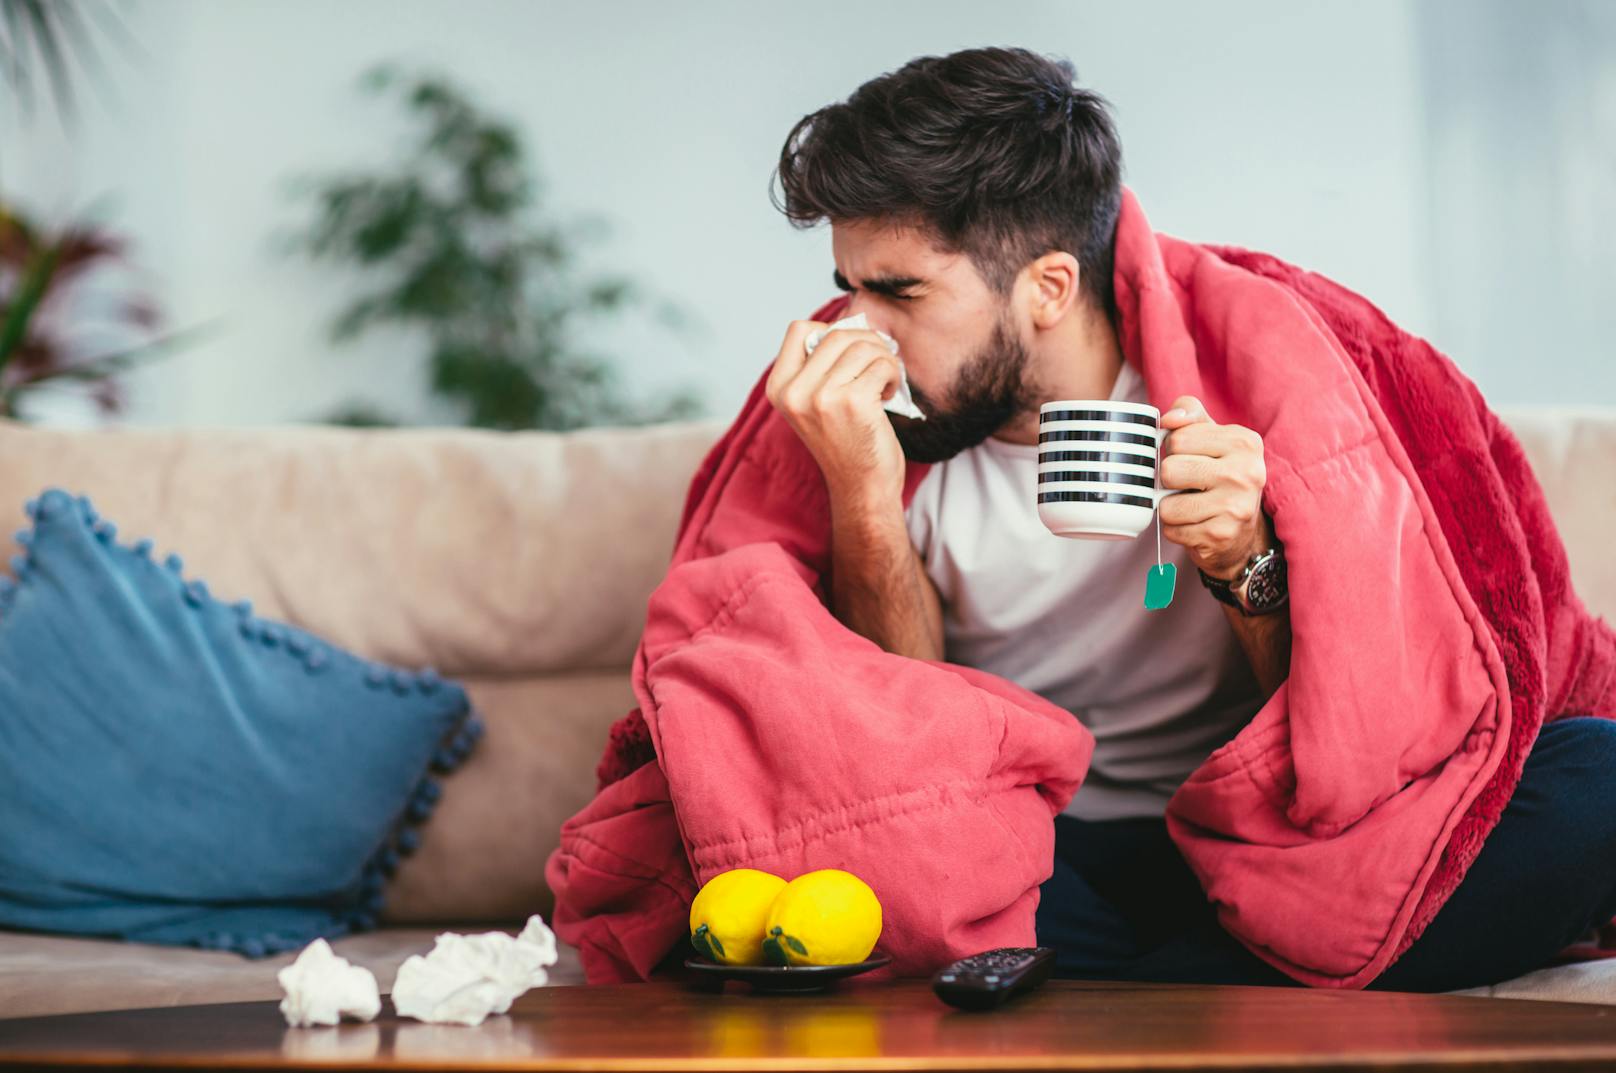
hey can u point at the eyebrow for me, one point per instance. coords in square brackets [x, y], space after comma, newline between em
[893, 286]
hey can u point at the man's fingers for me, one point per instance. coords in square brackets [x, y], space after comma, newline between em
[1188, 471]
[1186, 409]
[865, 364]
[876, 381]
[1190, 508]
[792, 356]
[1212, 532]
[818, 374]
[1201, 438]
[812, 368]
[849, 376]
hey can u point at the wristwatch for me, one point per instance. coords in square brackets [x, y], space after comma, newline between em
[1260, 588]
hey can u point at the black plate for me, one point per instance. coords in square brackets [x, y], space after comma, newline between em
[781, 977]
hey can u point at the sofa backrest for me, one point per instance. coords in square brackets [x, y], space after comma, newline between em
[475, 552]
[1573, 454]
[491, 554]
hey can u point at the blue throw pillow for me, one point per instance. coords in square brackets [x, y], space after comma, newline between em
[176, 770]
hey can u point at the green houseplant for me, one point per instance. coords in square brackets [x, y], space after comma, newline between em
[61, 322]
[57, 326]
[450, 245]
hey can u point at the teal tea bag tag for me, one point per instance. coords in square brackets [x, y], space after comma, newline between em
[1159, 582]
[1160, 578]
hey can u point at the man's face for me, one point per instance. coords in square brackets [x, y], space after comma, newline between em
[962, 351]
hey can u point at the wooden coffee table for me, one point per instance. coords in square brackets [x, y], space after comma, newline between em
[1066, 1025]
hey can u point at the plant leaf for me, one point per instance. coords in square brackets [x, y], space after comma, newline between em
[73, 30]
[30, 292]
[106, 365]
[17, 67]
[47, 39]
[698, 939]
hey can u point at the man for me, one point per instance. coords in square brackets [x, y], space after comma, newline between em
[974, 200]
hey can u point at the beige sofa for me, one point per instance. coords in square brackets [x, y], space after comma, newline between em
[520, 565]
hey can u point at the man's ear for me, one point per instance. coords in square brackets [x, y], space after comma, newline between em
[1055, 277]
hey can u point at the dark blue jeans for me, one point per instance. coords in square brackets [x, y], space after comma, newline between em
[1123, 905]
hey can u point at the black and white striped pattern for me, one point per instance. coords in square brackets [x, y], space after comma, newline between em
[1102, 454]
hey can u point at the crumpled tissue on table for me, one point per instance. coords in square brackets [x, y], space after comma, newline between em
[901, 403]
[321, 988]
[467, 977]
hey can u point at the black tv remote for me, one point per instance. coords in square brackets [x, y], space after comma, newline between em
[986, 980]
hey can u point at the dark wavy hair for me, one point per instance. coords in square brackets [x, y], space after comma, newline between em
[990, 152]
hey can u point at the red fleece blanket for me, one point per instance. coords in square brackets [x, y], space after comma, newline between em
[1560, 659]
[1328, 833]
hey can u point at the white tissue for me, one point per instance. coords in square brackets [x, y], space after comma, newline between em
[467, 977]
[901, 402]
[321, 988]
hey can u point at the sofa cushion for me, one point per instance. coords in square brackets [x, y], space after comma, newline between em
[174, 769]
[47, 974]
[482, 856]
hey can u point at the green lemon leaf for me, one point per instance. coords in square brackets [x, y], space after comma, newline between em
[771, 950]
[698, 939]
[795, 944]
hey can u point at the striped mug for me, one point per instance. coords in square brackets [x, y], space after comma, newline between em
[1097, 467]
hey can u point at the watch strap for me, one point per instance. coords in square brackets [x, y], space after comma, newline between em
[1223, 590]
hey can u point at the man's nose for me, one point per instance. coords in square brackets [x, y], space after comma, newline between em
[860, 303]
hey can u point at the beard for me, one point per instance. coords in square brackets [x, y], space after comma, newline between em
[990, 389]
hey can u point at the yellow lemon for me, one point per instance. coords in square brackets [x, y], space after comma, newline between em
[828, 917]
[726, 919]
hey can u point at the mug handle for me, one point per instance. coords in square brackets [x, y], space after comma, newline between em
[1159, 494]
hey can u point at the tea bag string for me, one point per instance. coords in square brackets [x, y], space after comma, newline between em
[1159, 500]
[1160, 579]
[1158, 536]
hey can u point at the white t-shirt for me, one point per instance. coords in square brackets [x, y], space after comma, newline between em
[1065, 618]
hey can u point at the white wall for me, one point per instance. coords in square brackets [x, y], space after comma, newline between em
[1521, 129]
[1323, 133]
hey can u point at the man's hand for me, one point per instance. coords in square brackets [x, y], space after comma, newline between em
[1222, 523]
[832, 398]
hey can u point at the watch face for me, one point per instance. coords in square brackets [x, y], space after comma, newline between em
[1266, 587]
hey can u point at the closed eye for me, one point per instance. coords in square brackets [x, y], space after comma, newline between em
[886, 286]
